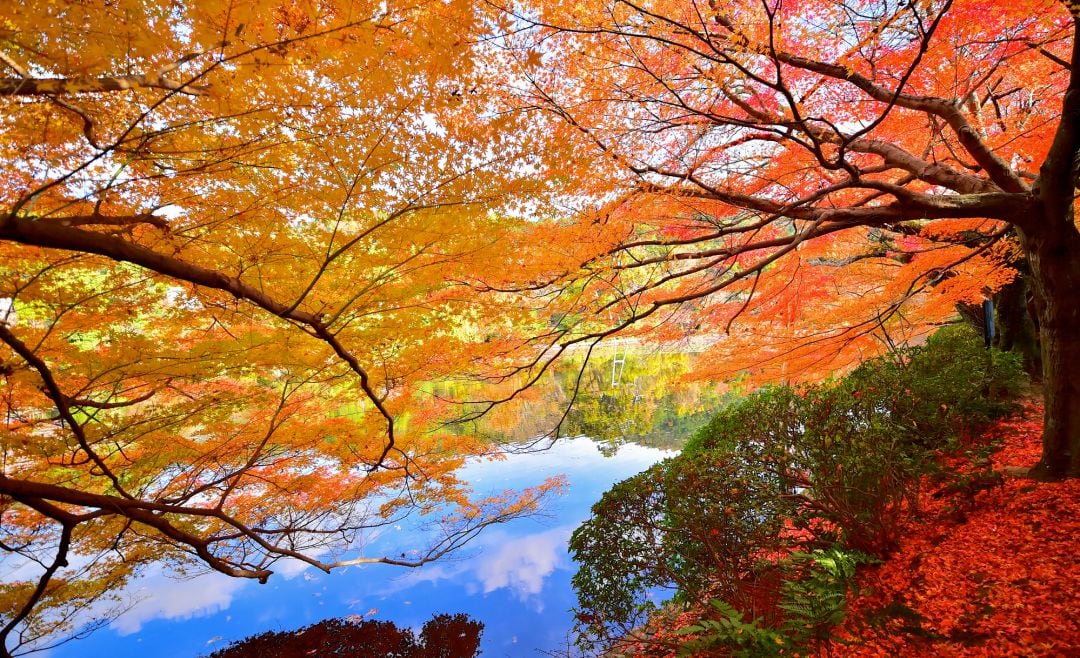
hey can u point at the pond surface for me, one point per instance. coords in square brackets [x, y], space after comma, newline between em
[515, 578]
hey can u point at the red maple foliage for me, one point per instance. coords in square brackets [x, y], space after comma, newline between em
[991, 572]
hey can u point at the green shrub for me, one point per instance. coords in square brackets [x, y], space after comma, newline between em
[770, 416]
[934, 393]
[620, 553]
[833, 452]
[696, 526]
[785, 472]
[859, 473]
[853, 449]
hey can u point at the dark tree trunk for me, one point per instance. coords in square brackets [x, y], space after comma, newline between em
[1054, 257]
[1051, 243]
[1016, 329]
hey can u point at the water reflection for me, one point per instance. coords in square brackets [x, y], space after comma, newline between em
[515, 578]
[518, 563]
[522, 563]
[642, 397]
[160, 596]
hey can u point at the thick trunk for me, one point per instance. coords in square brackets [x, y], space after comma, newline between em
[1052, 245]
[1055, 278]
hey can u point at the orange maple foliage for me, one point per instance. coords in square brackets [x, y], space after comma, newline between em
[810, 182]
[232, 237]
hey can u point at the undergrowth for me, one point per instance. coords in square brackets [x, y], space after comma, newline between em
[771, 506]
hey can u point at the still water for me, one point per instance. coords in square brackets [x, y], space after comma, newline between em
[515, 578]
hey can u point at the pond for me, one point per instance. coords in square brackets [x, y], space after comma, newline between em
[514, 578]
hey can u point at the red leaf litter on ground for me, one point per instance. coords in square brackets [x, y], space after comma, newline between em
[990, 572]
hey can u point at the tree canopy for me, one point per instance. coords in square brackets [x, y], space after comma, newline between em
[239, 241]
[816, 181]
[230, 246]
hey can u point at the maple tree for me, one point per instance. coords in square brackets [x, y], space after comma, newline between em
[238, 240]
[442, 636]
[819, 180]
[229, 238]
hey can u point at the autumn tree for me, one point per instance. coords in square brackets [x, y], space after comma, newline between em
[442, 636]
[811, 181]
[228, 238]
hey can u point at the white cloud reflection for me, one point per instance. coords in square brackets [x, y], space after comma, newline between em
[520, 564]
[524, 563]
[162, 597]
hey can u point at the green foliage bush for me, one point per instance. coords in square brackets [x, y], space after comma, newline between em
[621, 550]
[836, 450]
[813, 597]
[769, 416]
[786, 472]
[853, 449]
[670, 527]
[858, 471]
[933, 393]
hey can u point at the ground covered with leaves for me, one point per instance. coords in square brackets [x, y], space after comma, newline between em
[986, 569]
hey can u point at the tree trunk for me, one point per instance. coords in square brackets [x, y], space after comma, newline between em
[1016, 331]
[1054, 257]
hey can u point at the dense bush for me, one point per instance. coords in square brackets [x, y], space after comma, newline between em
[854, 448]
[868, 437]
[785, 472]
[844, 466]
[670, 527]
[767, 417]
[859, 471]
[934, 393]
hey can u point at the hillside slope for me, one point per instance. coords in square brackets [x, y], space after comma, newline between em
[990, 570]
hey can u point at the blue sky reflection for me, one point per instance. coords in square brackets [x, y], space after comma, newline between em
[515, 578]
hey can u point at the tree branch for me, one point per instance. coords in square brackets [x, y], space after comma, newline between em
[1057, 181]
[105, 84]
[52, 389]
[60, 560]
[54, 235]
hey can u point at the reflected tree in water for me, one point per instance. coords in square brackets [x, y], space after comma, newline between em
[649, 399]
[443, 636]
